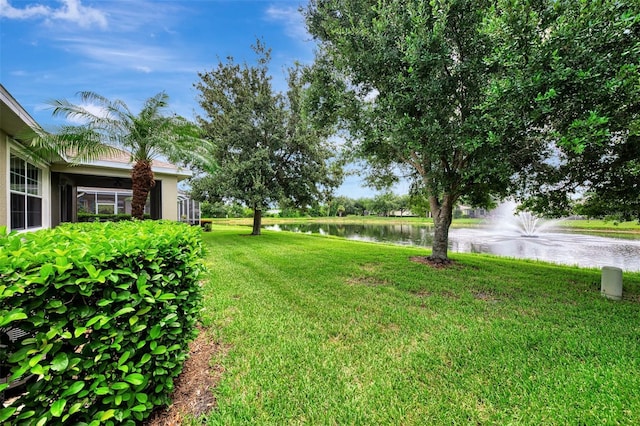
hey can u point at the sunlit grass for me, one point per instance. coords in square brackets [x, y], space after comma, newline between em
[602, 225]
[328, 331]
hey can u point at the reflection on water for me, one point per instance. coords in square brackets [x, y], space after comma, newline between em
[592, 251]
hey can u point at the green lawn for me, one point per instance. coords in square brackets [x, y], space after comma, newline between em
[327, 331]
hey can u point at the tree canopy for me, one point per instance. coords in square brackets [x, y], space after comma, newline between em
[588, 101]
[410, 81]
[266, 148]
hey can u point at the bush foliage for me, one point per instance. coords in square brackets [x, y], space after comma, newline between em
[109, 309]
[91, 217]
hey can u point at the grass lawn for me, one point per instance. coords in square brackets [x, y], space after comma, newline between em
[326, 331]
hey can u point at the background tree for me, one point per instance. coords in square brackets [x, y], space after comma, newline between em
[146, 135]
[346, 203]
[403, 203]
[383, 204]
[363, 206]
[266, 149]
[409, 81]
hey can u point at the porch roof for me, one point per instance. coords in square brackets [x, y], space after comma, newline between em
[121, 160]
[118, 163]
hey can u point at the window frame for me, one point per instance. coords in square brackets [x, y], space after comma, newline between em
[33, 218]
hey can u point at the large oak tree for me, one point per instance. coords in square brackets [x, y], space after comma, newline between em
[266, 150]
[413, 82]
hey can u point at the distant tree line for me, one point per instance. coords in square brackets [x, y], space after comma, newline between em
[385, 204]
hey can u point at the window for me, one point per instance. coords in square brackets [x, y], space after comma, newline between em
[26, 194]
[106, 203]
[103, 201]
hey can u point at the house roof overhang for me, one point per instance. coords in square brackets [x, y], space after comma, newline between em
[118, 164]
[14, 120]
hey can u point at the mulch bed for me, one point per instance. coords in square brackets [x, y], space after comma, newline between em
[193, 393]
[434, 263]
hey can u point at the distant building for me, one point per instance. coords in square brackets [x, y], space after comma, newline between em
[472, 212]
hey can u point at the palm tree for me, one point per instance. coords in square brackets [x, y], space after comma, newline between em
[109, 125]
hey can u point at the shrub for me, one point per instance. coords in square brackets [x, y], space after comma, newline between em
[92, 217]
[110, 309]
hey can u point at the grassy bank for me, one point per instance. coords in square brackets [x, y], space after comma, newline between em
[594, 225]
[601, 225]
[321, 330]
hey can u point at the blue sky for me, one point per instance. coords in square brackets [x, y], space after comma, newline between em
[133, 49]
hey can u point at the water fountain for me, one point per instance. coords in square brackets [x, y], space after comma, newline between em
[528, 221]
[506, 217]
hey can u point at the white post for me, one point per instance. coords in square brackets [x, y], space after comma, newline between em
[611, 283]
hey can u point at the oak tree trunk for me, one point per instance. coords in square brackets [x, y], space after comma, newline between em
[257, 221]
[442, 213]
[142, 181]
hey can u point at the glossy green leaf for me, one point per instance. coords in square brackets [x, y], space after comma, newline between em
[26, 414]
[60, 362]
[76, 387]
[138, 328]
[166, 296]
[58, 407]
[155, 331]
[135, 379]
[119, 386]
[7, 412]
[103, 390]
[159, 350]
[75, 408]
[142, 397]
[123, 311]
[13, 315]
[106, 415]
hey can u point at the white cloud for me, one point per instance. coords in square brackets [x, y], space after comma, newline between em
[69, 11]
[8, 11]
[293, 21]
[143, 68]
[73, 11]
[120, 54]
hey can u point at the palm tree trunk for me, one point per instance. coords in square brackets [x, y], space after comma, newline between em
[142, 182]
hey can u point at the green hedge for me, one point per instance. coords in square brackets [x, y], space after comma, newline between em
[110, 309]
[93, 217]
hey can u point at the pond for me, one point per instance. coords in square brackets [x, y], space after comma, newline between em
[551, 245]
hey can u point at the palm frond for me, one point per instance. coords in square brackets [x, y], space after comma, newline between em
[73, 144]
[146, 135]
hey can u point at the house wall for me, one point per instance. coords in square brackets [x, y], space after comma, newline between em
[4, 177]
[169, 197]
